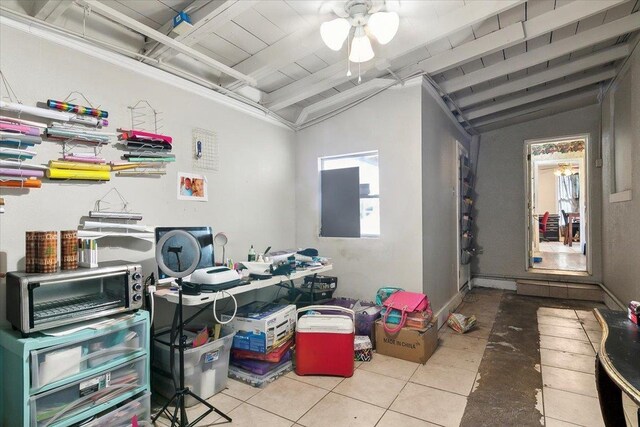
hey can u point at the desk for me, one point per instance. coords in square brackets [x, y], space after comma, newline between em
[568, 229]
[205, 298]
[617, 364]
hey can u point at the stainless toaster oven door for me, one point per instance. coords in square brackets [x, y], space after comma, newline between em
[59, 302]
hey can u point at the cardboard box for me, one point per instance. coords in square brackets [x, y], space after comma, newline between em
[261, 326]
[414, 345]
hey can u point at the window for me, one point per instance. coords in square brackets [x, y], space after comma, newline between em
[350, 195]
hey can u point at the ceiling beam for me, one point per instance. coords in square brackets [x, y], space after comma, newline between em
[431, 30]
[581, 64]
[50, 10]
[345, 96]
[137, 26]
[510, 35]
[563, 103]
[284, 52]
[541, 94]
[205, 20]
[482, 46]
[553, 50]
[474, 49]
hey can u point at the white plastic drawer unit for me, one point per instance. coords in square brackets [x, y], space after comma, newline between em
[65, 362]
[52, 407]
[123, 416]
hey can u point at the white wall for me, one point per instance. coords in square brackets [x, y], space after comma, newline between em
[500, 206]
[621, 234]
[439, 201]
[251, 198]
[546, 192]
[390, 123]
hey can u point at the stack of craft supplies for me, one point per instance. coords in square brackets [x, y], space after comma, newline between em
[16, 138]
[68, 132]
[147, 147]
[260, 367]
[146, 150]
[84, 130]
[78, 170]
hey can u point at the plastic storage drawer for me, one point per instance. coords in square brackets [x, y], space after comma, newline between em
[205, 368]
[51, 407]
[60, 362]
[122, 416]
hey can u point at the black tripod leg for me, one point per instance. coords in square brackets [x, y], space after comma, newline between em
[174, 417]
[211, 409]
[164, 409]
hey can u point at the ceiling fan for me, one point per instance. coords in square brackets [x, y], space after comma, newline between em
[359, 20]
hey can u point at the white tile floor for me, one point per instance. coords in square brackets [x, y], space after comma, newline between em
[389, 392]
[569, 340]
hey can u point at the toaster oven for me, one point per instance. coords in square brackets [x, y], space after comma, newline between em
[37, 301]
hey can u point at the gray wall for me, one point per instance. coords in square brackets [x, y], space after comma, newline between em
[621, 233]
[251, 197]
[417, 145]
[439, 201]
[390, 123]
[500, 206]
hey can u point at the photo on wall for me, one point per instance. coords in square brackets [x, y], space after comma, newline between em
[192, 187]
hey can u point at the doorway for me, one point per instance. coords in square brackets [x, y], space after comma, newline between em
[557, 205]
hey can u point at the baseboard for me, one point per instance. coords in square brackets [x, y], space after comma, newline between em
[610, 300]
[450, 306]
[483, 282]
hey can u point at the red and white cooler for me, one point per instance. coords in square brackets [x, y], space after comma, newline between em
[324, 342]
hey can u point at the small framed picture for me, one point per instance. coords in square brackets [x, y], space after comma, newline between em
[192, 187]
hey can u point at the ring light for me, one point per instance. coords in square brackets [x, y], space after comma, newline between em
[193, 247]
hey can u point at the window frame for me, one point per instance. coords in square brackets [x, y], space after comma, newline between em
[321, 163]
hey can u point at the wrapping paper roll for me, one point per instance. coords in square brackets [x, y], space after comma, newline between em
[91, 175]
[69, 253]
[78, 109]
[84, 159]
[19, 128]
[29, 183]
[31, 251]
[57, 164]
[21, 172]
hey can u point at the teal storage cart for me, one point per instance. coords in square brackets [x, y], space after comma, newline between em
[63, 380]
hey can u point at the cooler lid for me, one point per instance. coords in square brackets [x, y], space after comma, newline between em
[335, 324]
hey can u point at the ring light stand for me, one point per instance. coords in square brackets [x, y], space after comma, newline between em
[181, 392]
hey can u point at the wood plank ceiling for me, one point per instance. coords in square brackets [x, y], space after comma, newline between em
[493, 61]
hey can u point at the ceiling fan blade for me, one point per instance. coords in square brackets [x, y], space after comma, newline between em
[337, 7]
[377, 6]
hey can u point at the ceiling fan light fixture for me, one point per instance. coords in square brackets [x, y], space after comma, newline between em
[384, 26]
[335, 32]
[564, 169]
[361, 50]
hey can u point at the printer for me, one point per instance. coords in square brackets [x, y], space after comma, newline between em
[213, 279]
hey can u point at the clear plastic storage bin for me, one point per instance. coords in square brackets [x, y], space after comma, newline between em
[58, 363]
[122, 416]
[205, 368]
[51, 407]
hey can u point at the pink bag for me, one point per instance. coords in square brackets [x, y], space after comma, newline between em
[406, 302]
